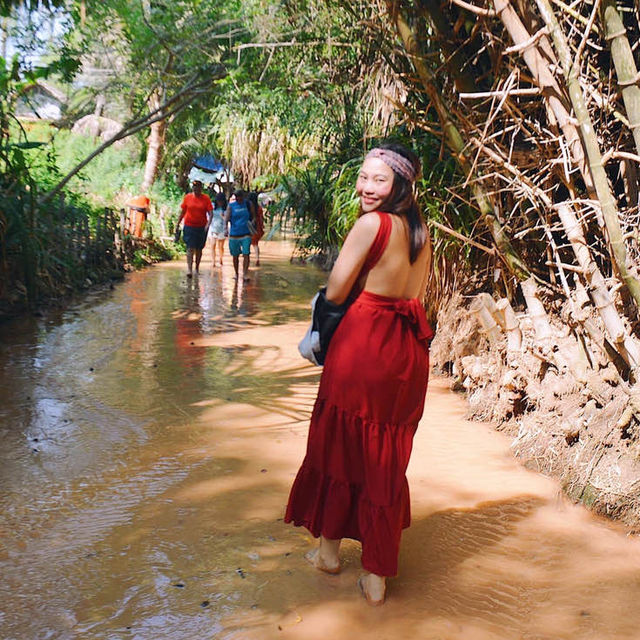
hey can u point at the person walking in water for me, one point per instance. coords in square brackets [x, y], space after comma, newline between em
[352, 482]
[217, 232]
[239, 217]
[259, 225]
[196, 210]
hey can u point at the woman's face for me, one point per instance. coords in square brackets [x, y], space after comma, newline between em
[374, 184]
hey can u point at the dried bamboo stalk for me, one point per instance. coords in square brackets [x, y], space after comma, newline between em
[537, 313]
[629, 345]
[570, 68]
[628, 77]
[543, 76]
[455, 142]
[510, 324]
[566, 355]
[485, 317]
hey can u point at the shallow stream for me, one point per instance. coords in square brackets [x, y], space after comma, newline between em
[150, 434]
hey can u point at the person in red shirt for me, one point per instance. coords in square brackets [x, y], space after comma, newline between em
[196, 213]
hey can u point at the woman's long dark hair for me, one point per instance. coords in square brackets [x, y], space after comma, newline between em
[220, 197]
[402, 201]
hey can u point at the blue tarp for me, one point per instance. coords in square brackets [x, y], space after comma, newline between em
[208, 163]
[207, 169]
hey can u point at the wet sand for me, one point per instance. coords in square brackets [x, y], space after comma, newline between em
[168, 421]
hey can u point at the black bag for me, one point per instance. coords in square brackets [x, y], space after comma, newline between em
[176, 236]
[325, 319]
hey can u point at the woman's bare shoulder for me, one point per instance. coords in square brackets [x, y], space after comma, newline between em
[365, 228]
[368, 221]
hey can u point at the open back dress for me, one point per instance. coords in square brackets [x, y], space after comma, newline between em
[352, 482]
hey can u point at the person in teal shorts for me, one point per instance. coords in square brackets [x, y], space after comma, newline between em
[240, 219]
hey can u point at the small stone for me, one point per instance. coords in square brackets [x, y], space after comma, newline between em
[35, 450]
[90, 368]
[263, 471]
[180, 585]
[241, 573]
[204, 603]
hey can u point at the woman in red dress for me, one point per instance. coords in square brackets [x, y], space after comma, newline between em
[352, 482]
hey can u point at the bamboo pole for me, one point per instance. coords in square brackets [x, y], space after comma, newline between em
[542, 75]
[628, 77]
[455, 142]
[570, 68]
[627, 343]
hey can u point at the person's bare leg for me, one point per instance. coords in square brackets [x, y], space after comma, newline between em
[326, 557]
[257, 248]
[198, 258]
[214, 242]
[245, 267]
[189, 262]
[373, 588]
[236, 264]
[221, 249]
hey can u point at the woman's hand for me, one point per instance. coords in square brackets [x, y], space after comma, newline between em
[352, 256]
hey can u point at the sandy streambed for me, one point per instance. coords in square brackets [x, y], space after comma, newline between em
[150, 437]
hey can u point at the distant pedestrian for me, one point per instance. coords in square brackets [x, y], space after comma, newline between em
[259, 225]
[239, 217]
[196, 213]
[217, 228]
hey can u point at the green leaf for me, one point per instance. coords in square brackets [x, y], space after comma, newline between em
[28, 145]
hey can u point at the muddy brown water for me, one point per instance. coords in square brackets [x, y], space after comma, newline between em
[150, 435]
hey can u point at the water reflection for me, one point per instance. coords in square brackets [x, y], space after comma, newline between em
[97, 407]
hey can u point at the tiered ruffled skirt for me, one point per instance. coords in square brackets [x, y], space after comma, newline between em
[352, 482]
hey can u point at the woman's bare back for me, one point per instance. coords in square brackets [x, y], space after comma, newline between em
[394, 276]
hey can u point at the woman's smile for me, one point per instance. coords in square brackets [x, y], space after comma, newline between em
[374, 184]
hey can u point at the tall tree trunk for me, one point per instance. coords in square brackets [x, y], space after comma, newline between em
[155, 146]
[454, 54]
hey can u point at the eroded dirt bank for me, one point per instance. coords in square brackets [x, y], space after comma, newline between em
[149, 443]
[584, 432]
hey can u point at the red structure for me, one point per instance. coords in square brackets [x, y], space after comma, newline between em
[138, 212]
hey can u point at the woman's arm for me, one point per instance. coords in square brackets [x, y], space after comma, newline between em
[352, 256]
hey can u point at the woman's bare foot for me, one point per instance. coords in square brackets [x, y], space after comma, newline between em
[314, 558]
[373, 588]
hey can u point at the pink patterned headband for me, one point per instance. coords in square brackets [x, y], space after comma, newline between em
[401, 165]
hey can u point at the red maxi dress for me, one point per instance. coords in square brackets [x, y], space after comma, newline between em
[352, 482]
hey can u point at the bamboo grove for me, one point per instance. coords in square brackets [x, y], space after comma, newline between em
[539, 104]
